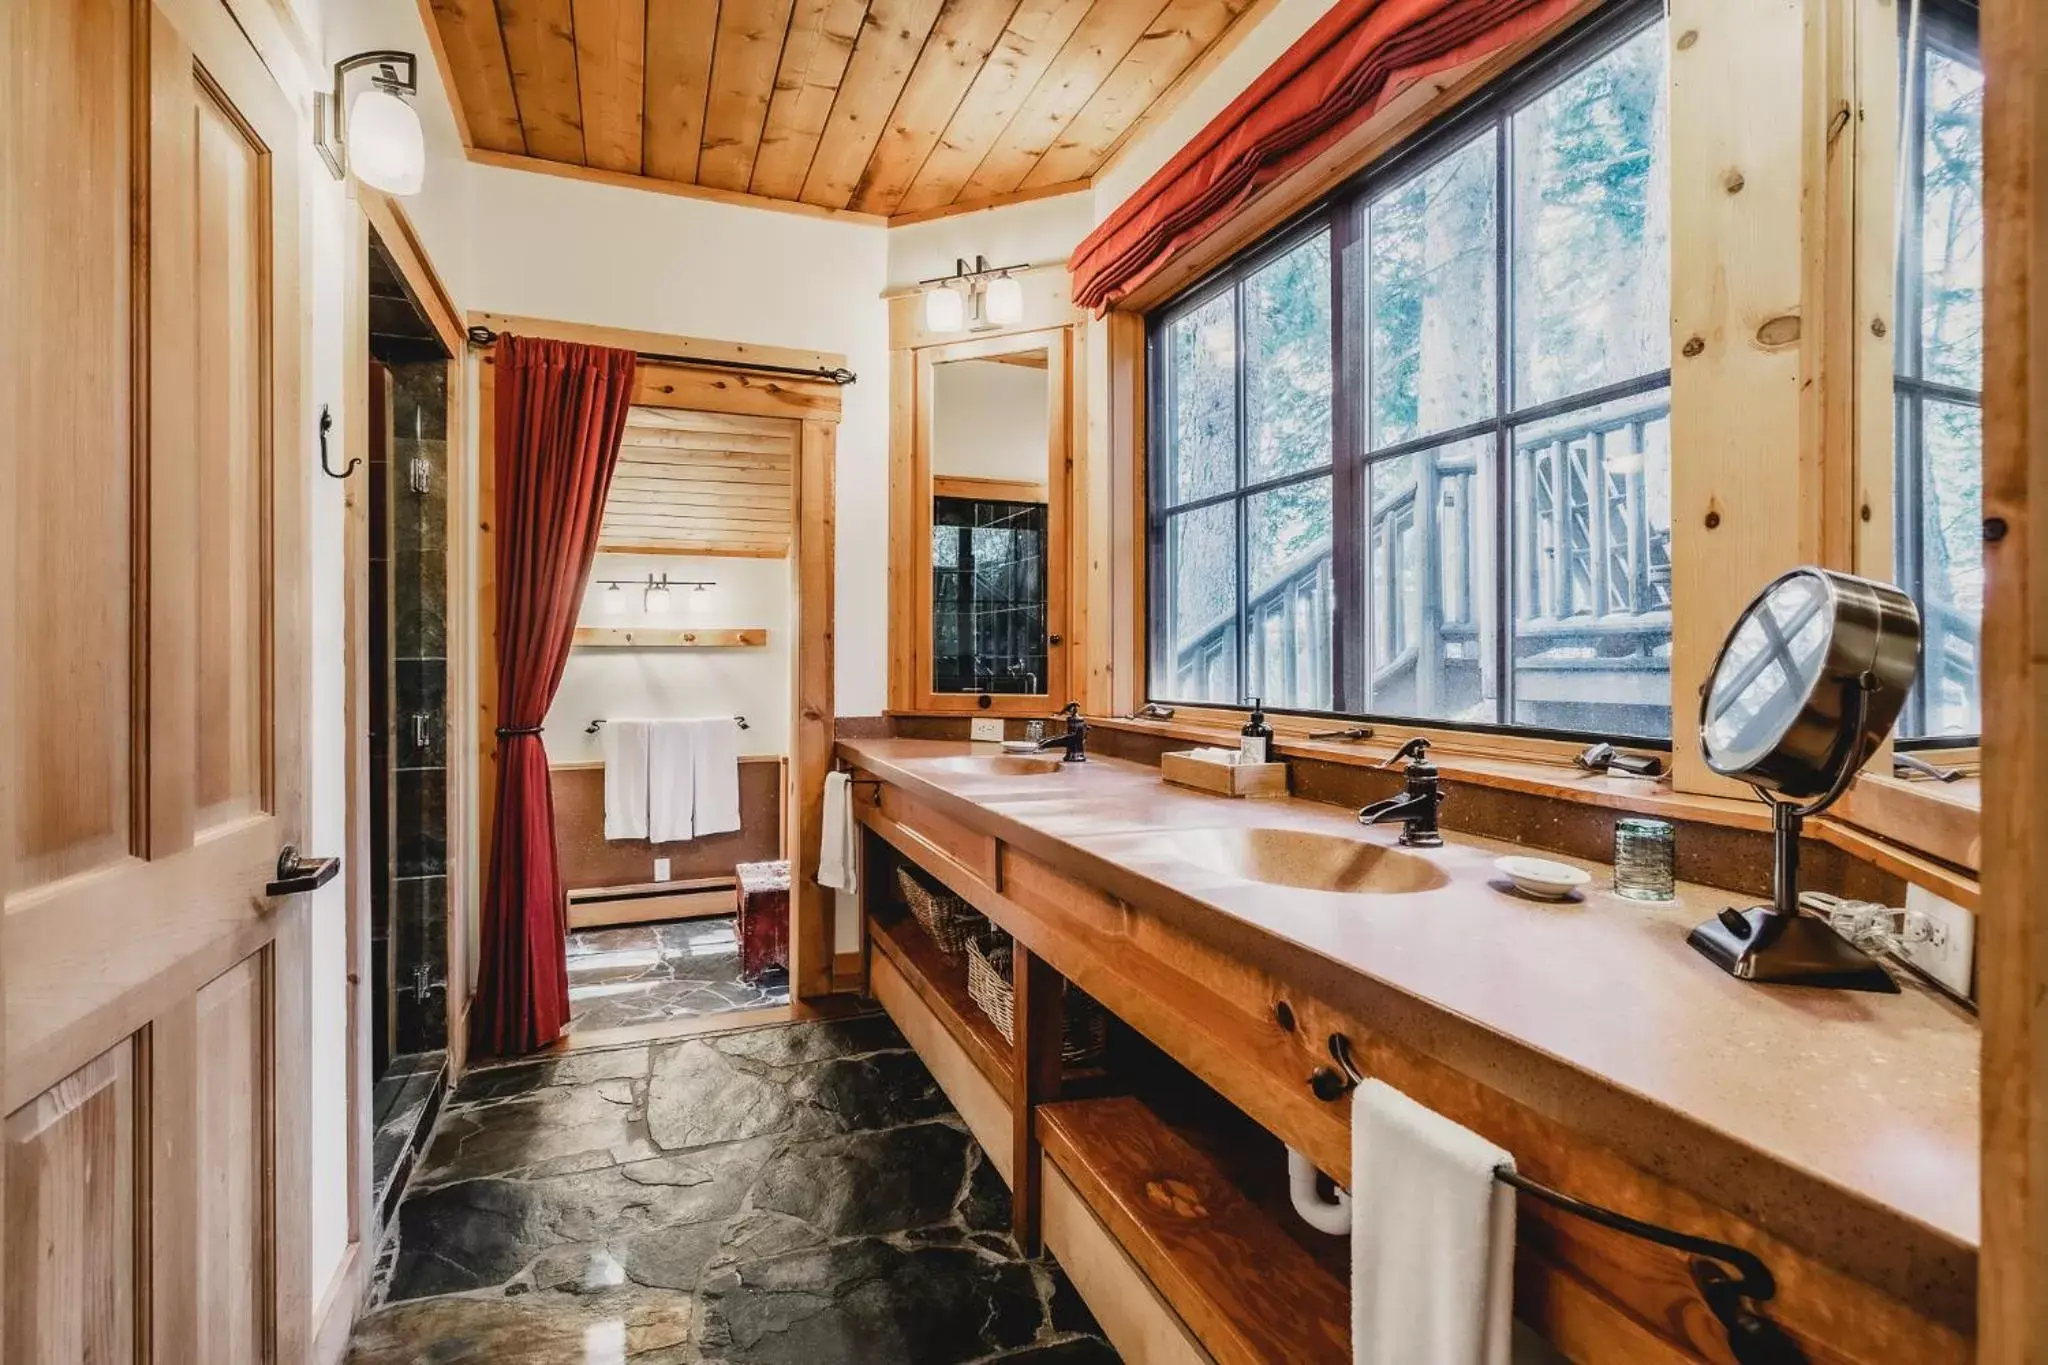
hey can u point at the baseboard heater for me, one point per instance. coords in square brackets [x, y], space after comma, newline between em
[695, 898]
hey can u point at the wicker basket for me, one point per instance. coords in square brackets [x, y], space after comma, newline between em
[945, 918]
[1086, 1031]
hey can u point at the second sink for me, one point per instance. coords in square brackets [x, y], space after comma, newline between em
[1308, 861]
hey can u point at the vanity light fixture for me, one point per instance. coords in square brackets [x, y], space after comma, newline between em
[377, 136]
[973, 298]
[657, 599]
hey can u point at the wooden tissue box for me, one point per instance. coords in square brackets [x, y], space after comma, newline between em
[1224, 779]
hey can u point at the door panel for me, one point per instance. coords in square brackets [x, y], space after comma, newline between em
[154, 637]
[234, 1147]
[70, 1235]
[232, 472]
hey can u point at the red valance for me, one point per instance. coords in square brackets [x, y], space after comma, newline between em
[1358, 56]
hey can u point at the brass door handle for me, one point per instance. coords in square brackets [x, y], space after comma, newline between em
[296, 874]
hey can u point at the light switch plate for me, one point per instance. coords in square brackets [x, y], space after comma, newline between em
[987, 729]
[661, 869]
[1950, 952]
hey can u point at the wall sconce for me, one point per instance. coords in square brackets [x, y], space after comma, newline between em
[377, 136]
[977, 299]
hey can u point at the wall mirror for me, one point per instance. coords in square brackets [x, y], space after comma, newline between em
[989, 480]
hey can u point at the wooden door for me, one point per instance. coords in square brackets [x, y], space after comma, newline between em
[152, 717]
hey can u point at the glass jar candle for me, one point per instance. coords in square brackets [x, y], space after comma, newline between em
[1645, 859]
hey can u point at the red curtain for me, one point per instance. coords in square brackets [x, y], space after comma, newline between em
[561, 412]
[1358, 56]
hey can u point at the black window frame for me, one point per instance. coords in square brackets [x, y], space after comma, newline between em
[1342, 214]
[1950, 28]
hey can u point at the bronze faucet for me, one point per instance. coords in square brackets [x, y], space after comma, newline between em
[1075, 737]
[1416, 807]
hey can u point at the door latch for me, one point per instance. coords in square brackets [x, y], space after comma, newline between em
[296, 874]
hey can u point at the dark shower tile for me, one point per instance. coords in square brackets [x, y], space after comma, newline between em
[420, 390]
[421, 848]
[420, 606]
[422, 687]
[422, 915]
[419, 521]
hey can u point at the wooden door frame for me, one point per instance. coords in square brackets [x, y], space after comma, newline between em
[375, 210]
[815, 406]
[2012, 949]
[915, 570]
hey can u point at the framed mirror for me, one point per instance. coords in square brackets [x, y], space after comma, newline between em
[989, 485]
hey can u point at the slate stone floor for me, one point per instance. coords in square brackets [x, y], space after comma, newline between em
[646, 973]
[795, 1195]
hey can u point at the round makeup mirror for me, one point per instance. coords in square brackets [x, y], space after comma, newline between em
[1807, 686]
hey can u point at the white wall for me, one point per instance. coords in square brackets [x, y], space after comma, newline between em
[988, 420]
[1036, 232]
[603, 683]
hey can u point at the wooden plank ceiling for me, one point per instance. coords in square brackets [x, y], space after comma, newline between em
[890, 107]
[701, 483]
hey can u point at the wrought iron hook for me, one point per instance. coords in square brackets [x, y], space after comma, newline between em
[327, 425]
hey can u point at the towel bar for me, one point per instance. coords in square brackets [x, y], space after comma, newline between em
[592, 728]
[1752, 1338]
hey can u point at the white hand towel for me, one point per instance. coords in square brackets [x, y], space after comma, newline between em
[624, 743]
[1432, 1237]
[671, 780]
[717, 764]
[836, 857]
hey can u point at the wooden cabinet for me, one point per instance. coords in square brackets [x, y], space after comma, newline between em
[1114, 1171]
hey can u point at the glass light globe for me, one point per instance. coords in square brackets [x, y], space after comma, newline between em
[386, 149]
[1004, 301]
[699, 600]
[658, 599]
[945, 309]
[613, 601]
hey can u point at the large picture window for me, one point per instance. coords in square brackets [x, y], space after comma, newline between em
[1412, 459]
[1938, 535]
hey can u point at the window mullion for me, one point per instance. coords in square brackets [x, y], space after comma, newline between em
[1504, 523]
[1238, 350]
[1347, 400]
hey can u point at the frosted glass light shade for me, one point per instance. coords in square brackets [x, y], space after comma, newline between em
[945, 309]
[614, 601]
[658, 599]
[1004, 301]
[699, 600]
[386, 148]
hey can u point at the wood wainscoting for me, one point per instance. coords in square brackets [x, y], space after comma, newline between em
[593, 866]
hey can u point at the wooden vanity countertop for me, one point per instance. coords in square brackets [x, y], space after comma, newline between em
[1873, 1097]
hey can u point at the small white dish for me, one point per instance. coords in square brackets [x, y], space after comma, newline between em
[1020, 746]
[1542, 878]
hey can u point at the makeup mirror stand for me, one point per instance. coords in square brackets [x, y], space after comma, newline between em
[1776, 942]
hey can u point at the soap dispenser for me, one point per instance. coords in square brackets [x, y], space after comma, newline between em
[1256, 742]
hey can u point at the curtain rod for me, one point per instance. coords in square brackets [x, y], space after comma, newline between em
[484, 336]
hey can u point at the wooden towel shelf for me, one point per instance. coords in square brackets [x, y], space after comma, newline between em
[628, 637]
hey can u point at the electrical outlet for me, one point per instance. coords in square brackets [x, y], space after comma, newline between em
[661, 869]
[986, 728]
[1940, 939]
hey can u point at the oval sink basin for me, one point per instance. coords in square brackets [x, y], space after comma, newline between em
[1309, 861]
[998, 765]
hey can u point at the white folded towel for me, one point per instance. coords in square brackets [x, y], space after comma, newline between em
[624, 743]
[716, 759]
[1432, 1237]
[836, 856]
[671, 780]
